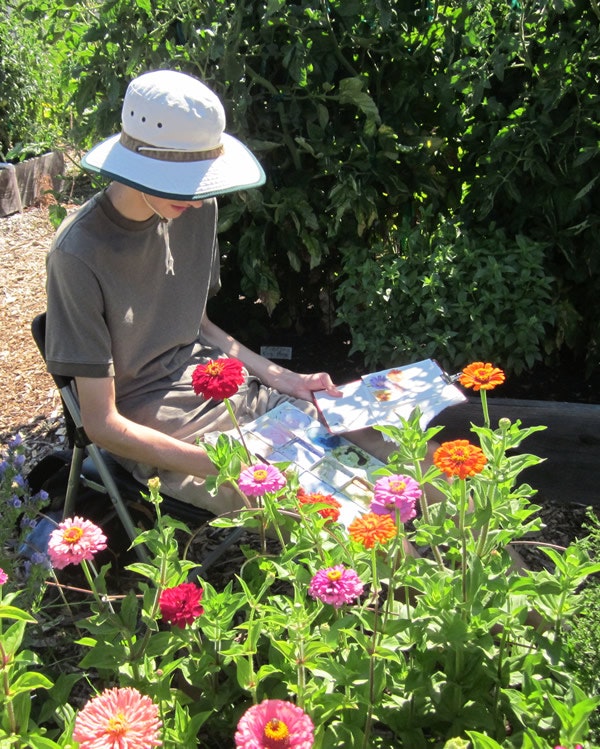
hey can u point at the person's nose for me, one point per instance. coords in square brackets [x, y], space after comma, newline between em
[195, 203]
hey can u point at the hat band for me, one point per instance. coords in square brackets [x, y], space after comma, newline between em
[168, 154]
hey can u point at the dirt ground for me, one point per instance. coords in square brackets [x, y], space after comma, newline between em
[31, 405]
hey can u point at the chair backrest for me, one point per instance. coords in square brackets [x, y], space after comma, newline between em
[74, 433]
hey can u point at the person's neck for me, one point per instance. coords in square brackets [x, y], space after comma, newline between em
[129, 202]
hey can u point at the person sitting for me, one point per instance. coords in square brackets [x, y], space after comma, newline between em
[129, 275]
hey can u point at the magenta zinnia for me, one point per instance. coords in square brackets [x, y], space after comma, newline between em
[261, 478]
[336, 586]
[3, 576]
[274, 724]
[396, 494]
[218, 379]
[74, 541]
[180, 605]
[118, 719]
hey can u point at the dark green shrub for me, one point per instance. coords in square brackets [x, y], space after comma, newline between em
[369, 116]
[448, 293]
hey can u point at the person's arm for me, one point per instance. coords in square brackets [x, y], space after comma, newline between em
[105, 426]
[271, 374]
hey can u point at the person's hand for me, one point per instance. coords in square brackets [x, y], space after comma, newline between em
[304, 385]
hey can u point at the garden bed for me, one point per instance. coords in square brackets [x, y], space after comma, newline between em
[32, 408]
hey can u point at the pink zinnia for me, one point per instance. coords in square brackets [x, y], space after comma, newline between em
[274, 724]
[336, 585]
[118, 719]
[261, 478]
[181, 605]
[396, 494]
[74, 540]
[3, 576]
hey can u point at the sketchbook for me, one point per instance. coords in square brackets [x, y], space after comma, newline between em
[380, 398]
[325, 463]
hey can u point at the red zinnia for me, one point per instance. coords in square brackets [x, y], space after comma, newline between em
[459, 458]
[218, 379]
[480, 376]
[181, 605]
[370, 529]
[331, 512]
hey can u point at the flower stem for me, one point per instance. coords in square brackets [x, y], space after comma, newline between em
[239, 431]
[374, 641]
[484, 407]
[462, 530]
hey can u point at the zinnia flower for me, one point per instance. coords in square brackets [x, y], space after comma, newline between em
[274, 724]
[74, 540]
[336, 585]
[181, 605]
[459, 458]
[480, 376]
[3, 576]
[218, 379]
[118, 719]
[261, 478]
[370, 529]
[396, 494]
[331, 512]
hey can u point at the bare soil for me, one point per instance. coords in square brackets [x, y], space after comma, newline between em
[31, 405]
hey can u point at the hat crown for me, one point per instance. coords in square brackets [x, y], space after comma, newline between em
[172, 110]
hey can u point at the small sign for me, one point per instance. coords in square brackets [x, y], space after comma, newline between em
[276, 352]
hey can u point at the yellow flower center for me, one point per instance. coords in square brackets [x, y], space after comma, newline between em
[72, 535]
[276, 733]
[334, 575]
[117, 725]
[214, 368]
[397, 486]
[260, 474]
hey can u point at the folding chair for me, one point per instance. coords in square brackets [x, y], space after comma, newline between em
[95, 469]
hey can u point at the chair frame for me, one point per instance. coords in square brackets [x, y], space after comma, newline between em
[83, 447]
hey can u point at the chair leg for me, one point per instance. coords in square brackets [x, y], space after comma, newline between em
[73, 481]
[116, 499]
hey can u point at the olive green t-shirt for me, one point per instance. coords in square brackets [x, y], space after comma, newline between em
[115, 311]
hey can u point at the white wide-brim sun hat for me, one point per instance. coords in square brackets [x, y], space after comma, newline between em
[173, 143]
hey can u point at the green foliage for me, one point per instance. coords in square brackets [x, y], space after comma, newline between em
[442, 648]
[382, 118]
[448, 293]
[584, 638]
[32, 105]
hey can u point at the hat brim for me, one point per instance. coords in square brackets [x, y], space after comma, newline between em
[236, 169]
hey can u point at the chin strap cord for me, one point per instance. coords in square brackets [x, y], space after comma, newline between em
[164, 224]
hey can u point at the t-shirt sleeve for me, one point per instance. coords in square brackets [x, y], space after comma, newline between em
[77, 339]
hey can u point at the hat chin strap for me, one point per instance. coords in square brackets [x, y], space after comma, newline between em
[164, 223]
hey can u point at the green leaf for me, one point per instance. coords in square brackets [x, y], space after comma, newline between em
[12, 612]
[29, 681]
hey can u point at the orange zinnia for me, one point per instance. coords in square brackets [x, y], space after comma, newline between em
[370, 529]
[480, 376]
[459, 458]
